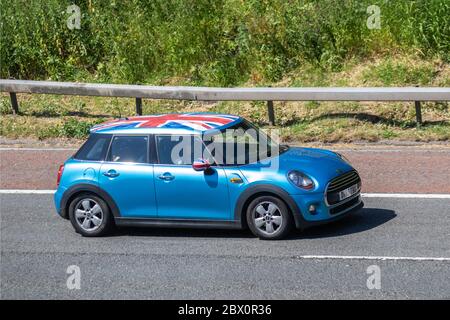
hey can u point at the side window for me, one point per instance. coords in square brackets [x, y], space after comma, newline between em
[129, 149]
[95, 148]
[178, 150]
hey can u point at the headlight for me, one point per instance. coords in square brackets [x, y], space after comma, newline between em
[343, 157]
[300, 180]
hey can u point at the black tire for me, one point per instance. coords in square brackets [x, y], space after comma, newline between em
[281, 214]
[103, 228]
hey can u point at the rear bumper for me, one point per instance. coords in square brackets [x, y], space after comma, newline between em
[57, 198]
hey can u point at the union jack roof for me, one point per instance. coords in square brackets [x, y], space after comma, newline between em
[190, 121]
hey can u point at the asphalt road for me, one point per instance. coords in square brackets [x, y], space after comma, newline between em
[37, 247]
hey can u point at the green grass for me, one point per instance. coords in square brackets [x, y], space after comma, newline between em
[229, 43]
[52, 116]
[298, 122]
[394, 73]
[328, 123]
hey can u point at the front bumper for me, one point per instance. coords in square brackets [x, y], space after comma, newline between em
[344, 214]
[323, 213]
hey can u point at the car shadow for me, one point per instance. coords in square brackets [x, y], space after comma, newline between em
[365, 219]
[366, 117]
[181, 232]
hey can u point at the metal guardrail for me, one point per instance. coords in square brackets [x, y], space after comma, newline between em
[139, 92]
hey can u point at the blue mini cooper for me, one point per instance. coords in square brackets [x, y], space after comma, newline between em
[201, 170]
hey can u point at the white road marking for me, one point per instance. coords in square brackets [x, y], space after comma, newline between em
[380, 258]
[407, 195]
[392, 150]
[25, 191]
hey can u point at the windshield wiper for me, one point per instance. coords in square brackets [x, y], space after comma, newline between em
[284, 148]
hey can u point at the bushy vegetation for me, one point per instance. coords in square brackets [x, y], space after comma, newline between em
[229, 43]
[210, 42]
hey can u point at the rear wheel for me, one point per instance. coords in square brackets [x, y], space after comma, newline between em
[90, 215]
[269, 218]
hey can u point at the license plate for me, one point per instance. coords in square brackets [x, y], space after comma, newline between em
[344, 194]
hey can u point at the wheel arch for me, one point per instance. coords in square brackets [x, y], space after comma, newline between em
[78, 189]
[253, 192]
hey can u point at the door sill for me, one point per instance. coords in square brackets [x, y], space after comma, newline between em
[178, 223]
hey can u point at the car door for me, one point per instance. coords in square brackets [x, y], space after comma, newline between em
[127, 176]
[182, 192]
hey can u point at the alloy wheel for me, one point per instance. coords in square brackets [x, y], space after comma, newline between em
[88, 214]
[267, 217]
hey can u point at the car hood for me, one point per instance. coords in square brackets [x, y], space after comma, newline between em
[321, 165]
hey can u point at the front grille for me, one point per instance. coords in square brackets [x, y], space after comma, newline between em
[341, 207]
[340, 183]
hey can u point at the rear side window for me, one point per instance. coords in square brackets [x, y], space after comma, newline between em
[95, 148]
[129, 149]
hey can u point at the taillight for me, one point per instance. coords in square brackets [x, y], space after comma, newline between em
[60, 172]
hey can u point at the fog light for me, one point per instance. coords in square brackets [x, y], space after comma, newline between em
[312, 209]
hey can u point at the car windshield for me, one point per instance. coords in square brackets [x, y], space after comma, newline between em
[240, 144]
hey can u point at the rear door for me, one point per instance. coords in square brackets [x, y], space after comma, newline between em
[127, 175]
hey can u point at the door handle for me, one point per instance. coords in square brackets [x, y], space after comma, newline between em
[111, 173]
[166, 176]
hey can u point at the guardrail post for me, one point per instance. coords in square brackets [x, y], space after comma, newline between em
[14, 103]
[271, 113]
[418, 113]
[139, 106]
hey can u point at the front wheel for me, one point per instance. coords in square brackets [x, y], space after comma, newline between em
[269, 218]
[90, 215]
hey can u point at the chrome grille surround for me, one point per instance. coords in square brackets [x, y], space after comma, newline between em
[340, 183]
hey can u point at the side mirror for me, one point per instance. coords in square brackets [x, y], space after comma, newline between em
[201, 165]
